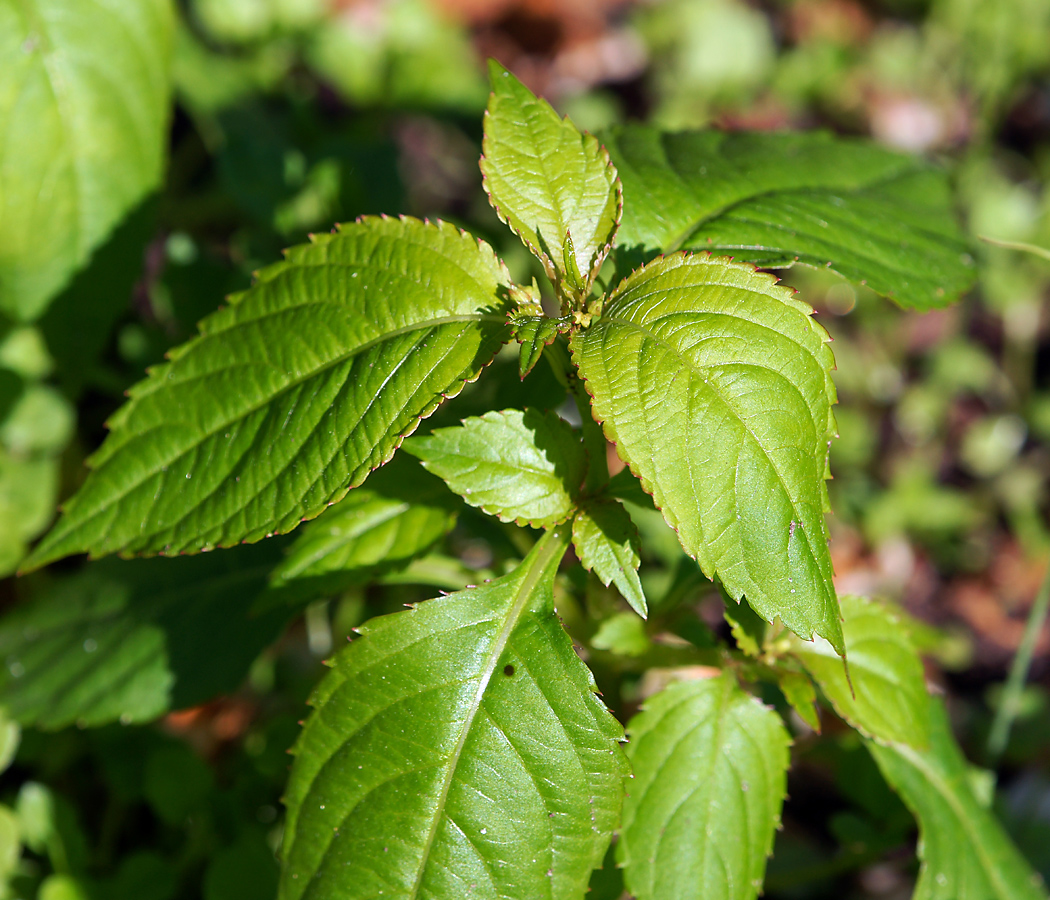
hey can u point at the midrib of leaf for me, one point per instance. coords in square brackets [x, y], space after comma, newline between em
[934, 777]
[720, 710]
[551, 547]
[688, 364]
[255, 407]
[691, 229]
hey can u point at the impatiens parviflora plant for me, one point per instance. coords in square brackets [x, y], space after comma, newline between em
[459, 748]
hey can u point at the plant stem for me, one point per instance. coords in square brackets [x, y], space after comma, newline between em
[1010, 702]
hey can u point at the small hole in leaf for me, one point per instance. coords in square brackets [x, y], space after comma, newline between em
[508, 670]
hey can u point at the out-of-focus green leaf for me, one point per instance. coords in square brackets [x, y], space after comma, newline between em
[63, 887]
[623, 634]
[523, 467]
[455, 748]
[399, 53]
[714, 384]
[709, 781]
[965, 853]
[246, 868]
[547, 181]
[293, 393]
[10, 737]
[877, 217]
[83, 110]
[10, 844]
[129, 640]
[884, 695]
[376, 528]
[41, 421]
[606, 541]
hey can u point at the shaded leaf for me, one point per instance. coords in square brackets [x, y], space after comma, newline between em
[709, 781]
[877, 217]
[553, 185]
[888, 696]
[457, 749]
[606, 542]
[534, 333]
[747, 627]
[129, 640]
[714, 384]
[293, 394]
[83, 142]
[523, 467]
[798, 690]
[965, 853]
[377, 528]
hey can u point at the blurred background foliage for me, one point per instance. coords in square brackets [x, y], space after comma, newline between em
[291, 115]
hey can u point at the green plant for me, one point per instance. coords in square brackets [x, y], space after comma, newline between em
[459, 748]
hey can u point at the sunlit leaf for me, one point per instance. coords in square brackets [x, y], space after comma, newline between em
[84, 93]
[710, 766]
[455, 750]
[377, 528]
[714, 384]
[887, 697]
[877, 217]
[293, 393]
[522, 467]
[548, 181]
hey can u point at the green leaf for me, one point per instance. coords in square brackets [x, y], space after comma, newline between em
[376, 528]
[606, 542]
[877, 217]
[523, 467]
[28, 493]
[84, 95]
[709, 781]
[799, 692]
[293, 393]
[624, 634]
[457, 749]
[534, 333]
[553, 185]
[714, 384]
[129, 640]
[747, 627]
[887, 698]
[965, 853]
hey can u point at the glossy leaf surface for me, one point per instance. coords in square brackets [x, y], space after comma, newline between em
[457, 749]
[888, 698]
[292, 394]
[82, 143]
[877, 217]
[606, 542]
[377, 528]
[714, 384]
[524, 467]
[965, 853]
[709, 780]
[547, 180]
[129, 640]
